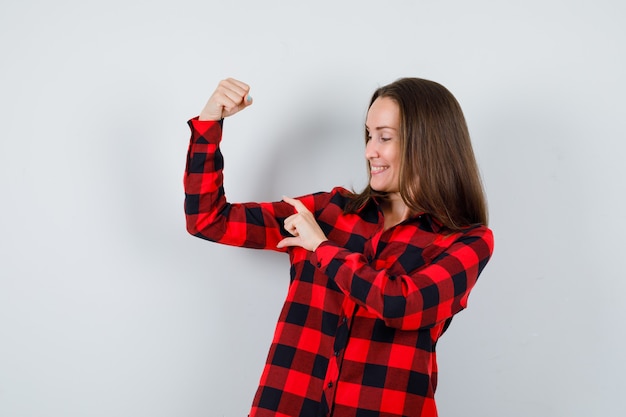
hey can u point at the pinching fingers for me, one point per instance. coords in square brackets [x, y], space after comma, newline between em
[290, 224]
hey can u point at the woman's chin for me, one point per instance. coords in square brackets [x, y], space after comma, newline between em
[378, 187]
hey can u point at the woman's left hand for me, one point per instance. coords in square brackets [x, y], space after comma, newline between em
[302, 225]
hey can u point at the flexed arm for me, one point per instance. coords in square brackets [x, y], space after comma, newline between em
[208, 213]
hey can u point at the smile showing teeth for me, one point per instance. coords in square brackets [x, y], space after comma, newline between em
[376, 170]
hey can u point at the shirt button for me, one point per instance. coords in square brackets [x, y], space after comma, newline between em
[345, 320]
[336, 353]
[330, 385]
[319, 264]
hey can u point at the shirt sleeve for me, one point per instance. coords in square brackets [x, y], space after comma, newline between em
[420, 299]
[208, 213]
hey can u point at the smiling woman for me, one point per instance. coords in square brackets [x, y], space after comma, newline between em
[437, 171]
[376, 277]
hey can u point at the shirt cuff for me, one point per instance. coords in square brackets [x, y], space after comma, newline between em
[324, 254]
[207, 129]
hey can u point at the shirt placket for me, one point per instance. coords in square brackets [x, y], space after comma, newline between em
[345, 324]
[336, 360]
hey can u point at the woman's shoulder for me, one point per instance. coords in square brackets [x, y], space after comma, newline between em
[341, 196]
[337, 193]
[337, 198]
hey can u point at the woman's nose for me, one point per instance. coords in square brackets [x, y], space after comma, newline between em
[370, 149]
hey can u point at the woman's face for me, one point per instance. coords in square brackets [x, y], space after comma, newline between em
[383, 146]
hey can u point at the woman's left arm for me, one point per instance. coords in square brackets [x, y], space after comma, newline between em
[420, 299]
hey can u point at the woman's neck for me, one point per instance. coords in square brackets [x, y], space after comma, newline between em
[395, 210]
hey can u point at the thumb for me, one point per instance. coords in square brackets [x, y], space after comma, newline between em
[288, 241]
[245, 102]
[248, 100]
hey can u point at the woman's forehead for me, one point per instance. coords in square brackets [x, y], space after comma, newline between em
[384, 113]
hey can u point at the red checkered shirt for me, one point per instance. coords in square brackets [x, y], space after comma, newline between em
[357, 333]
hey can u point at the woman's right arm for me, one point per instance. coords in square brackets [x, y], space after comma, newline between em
[208, 213]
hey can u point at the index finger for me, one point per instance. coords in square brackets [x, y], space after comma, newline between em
[297, 204]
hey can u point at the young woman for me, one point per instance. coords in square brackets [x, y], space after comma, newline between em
[376, 277]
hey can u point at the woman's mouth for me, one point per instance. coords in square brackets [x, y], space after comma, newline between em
[377, 169]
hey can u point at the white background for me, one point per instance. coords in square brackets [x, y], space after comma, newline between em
[109, 308]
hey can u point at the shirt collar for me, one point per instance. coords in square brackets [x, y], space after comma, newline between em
[427, 221]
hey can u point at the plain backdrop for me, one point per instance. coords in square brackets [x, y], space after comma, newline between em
[109, 308]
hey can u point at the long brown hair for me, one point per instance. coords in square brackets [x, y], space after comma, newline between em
[438, 173]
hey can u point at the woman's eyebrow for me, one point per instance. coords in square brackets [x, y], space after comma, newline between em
[381, 127]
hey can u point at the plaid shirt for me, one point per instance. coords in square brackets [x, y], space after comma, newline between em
[357, 334]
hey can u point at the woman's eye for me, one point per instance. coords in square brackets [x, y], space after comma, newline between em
[385, 139]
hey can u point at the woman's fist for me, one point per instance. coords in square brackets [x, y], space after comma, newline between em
[229, 97]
